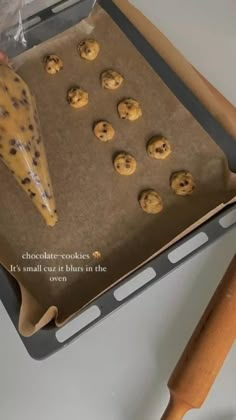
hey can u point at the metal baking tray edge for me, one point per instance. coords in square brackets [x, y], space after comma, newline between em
[45, 342]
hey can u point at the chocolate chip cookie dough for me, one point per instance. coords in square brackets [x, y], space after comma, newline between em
[151, 202]
[89, 49]
[104, 131]
[21, 145]
[182, 183]
[77, 97]
[111, 79]
[158, 147]
[53, 64]
[125, 164]
[129, 109]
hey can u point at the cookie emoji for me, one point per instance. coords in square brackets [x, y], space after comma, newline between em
[182, 183]
[89, 49]
[125, 164]
[151, 202]
[129, 109]
[111, 79]
[158, 147]
[104, 131]
[53, 64]
[77, 98]
[97, 255]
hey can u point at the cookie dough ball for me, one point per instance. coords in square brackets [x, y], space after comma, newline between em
[125, 164]
[182, 183]
[158, 148]
[111, 80]
[77, 97]
[53, 64]
[151, 202]
[89, 49]
[104, 131]
[129, 109]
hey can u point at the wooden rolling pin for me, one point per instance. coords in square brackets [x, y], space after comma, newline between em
[206, 351]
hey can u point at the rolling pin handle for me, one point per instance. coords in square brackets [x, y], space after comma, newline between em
[176, 409]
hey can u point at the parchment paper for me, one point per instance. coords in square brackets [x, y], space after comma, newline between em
[98, 209]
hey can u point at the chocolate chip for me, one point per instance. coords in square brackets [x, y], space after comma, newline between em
[24, 102]
[55, 211]
[104, 131]
[3, 112]
[38, 140]
[13, 151]
[26, 181]
[159, 150]
[1, 156]
[37, 154]
[35, 162]
[186, 182]
[12, 172]
[127, 165]
[43, 206]
[27, 147]
[31, 127]
[12, 142]
[15, 102]
[182, 184]
[32, 194]
[24, 92]
[5, 88]
[17, 80]
[45, 194]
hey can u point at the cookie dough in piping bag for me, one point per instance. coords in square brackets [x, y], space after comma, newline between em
[21, 145]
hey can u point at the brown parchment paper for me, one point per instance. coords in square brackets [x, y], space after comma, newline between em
[98, 209]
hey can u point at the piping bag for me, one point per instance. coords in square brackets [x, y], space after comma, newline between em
[206, 351]
[21, 145]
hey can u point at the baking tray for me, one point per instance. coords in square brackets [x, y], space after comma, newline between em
[45, 342]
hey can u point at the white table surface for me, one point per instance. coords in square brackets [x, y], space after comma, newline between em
[119, 370]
